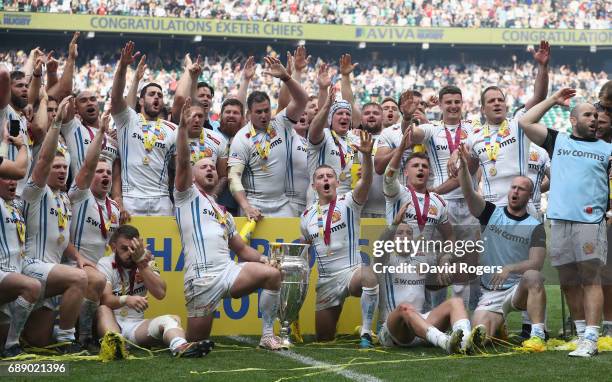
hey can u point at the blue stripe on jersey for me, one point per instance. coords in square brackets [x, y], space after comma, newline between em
[124, 159]
[322, 153]
[80, 146]
[3, 239]
[164, 167]
[487, 190]
[83, 213]
[390, 290]
[521, 138]
[197, 225]
[349, 218]
[289, 176]
[434, 153]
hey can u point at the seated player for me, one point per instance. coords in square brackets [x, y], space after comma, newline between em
[130, 274]
[208, 233]
[405, 325]
[515, 243]
[332, 226]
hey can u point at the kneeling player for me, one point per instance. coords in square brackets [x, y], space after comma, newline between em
[405, 325]
[130, 274]
[514, 244]
[332, 225]
[208, 233]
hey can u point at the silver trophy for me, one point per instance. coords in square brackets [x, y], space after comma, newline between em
[292, 261]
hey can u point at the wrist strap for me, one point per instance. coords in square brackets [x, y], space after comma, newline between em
[123, 300]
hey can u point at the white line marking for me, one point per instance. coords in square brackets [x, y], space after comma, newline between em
[312, 362]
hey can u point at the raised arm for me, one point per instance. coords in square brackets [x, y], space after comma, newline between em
[186, 86]
[346, 68]
[183, 178]
[535, 131]
[542, 57]
[40, 122]
[14, 169]
[132, 96]
[5, 86]
[151, 280]
[118, 103]
[475, 202]
[51, 66]
[41, 170]
[28, 67]
[300, 62]
[362, 188]
[319, 122]
[248, 72]
[299, 98]
[64, 86]
[88, 170]
[324, 82]
[283, 94]
[36, 82]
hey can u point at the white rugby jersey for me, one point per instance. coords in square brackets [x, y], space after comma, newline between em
[93, 224]
[437, 213]
[326, 152]
[512, 159]
[376, 197]
[343, 252]
[214, 146]
[140, 179]
[7, 114]
[539, 162]
[78, 138]
[391, 137]
[297, 182]
[45, 241]
[404, 287]
[12, 223]
[263, 180]
[436, 144]
[121, 285]
[203, 238]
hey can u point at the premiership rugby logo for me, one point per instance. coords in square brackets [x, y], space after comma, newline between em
[588, 248]
[432, 210]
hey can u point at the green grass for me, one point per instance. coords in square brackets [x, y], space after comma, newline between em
[424, 364]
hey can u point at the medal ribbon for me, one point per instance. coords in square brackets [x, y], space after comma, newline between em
[420, 216]
[344, 158]
[132, 276]
[492, 151]
[262, 149]
[19, 221]
[452, 146]
[201, 146]
[91, 136]
[219, 214]
[105, 225]
[61, 215]
[150, 139]
[325, 232]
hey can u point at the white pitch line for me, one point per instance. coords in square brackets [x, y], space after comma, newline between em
[312, 362]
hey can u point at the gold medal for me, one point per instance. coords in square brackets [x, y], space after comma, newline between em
[60, 239]
[342, 176]
[145, 161]
[492, 171]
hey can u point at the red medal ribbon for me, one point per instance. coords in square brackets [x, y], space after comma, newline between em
[420, 216]
[109, 212]
[328, 221]
[452, 146]
[91, 136]
[133, 270]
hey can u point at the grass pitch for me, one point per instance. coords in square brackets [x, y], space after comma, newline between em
[237, 359]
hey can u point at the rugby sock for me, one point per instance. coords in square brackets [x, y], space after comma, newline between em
[463, 324]
[88, 310]
[65, 335]
[268, 304]
[436, 337]
[537, 330]
[369, 303]
[591, 333]
[526, 319]
[176, 342]
[20, 310]
[580, 327]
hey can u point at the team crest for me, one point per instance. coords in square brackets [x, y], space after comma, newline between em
[588, 248]
[113, 219]
[504, 133]
[162, 136]
[207, 153]
[432, 210]
[533, 156]
[336, 216]
[463, 134]
[273, 133]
